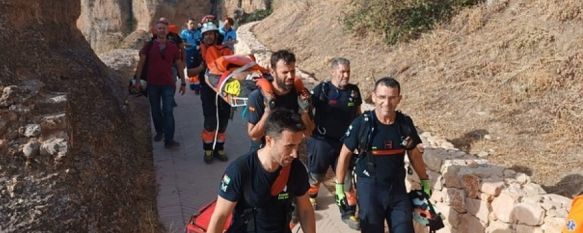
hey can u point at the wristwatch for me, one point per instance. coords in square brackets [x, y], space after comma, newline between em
[183, 84]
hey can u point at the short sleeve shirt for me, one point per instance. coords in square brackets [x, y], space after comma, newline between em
[335, 108]
[160, 62]
[385, 157]
[246, 182]
[191, 38]
[256, 104]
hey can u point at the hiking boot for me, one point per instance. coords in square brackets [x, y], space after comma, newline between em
[220, 155]
[314, 203]
[171, 145]
[158, 137]
[208, 156]
[352, 221]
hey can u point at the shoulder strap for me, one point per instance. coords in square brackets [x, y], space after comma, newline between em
[280, 181]
[365, 131]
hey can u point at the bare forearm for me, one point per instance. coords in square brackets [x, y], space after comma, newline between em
[342, 166]
[196, 70]
[307, 120]
[307, 220]
[180, 65]
[258, 130]
[140, 67]
[216, 223]
[416, 158]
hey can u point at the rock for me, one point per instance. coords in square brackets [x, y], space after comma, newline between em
[527, 229]
[451, 216]
[487, 137]
[483, 154]
[456, 199]
[469, 223]
[471, 184]
[31, 149]
[553, 224]
[531, 214]
[7, 97]
[53, 122]
[32, 130]
[522, 178]
[53, 146]
[491, 187]
[19, 108]
[499, 227]
[124, 61]
[509, 173]
[58, 99]
[478, 208]
[532, 189]
[503, 205]
[434, 158]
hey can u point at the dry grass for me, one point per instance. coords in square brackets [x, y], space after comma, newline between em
[510, 71]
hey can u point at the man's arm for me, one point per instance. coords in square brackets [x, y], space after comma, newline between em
[196, 70]
[416, 157]
[222, 211]
[180, 71]
[257, 131]
[308, 122]
[306, 213]
[140, 66]
[342, 166]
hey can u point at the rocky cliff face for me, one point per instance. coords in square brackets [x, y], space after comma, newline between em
[244, 6]
[72, 157]
[105, 23]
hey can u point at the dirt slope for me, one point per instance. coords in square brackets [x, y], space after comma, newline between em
[502, 79]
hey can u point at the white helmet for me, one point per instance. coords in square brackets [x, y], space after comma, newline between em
[208, 26]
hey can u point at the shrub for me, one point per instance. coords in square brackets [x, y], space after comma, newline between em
[399, 20]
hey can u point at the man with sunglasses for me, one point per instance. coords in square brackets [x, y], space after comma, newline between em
[336, 104]
[162, 55]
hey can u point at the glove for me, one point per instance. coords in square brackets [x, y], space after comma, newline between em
[340, 195]
[426, 186]
[304, 103]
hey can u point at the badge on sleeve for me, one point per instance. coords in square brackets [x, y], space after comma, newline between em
[225, 183]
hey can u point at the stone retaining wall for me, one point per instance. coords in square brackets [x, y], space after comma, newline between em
[472, 195]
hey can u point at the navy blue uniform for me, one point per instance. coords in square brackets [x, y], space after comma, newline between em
[334, 111]
[256, 108]
[247, 183]
[381, 174]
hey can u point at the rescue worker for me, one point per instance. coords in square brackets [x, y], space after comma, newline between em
[191, 37]
[259, 187]
[336, 103]
[285, 95]
[210, 50]
[382, 137]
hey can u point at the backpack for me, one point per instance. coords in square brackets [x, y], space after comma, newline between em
[367, 131]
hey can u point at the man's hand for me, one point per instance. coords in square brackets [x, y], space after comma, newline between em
[426, 186]
[181, 90]
[340, 195]
[304, 102]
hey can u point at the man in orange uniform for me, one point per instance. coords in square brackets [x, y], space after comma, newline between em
[213, 145]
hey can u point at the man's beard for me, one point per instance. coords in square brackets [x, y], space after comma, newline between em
[282, 85]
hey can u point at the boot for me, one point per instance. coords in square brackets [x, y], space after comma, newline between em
[220, 155]
[208, 156]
